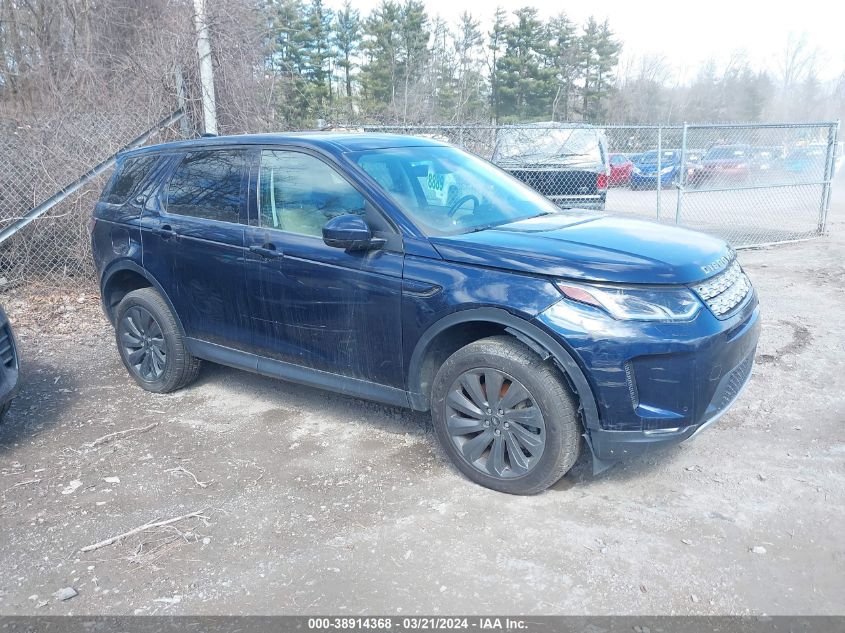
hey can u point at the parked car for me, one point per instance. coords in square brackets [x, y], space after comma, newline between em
[724, 164]
[644, 174]
[809, 159]
[767, 159]
[692, 162]
[8, 364]
[620, 170]
[568, 164]
[325, 259]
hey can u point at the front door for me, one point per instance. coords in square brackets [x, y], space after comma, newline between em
[311, 304]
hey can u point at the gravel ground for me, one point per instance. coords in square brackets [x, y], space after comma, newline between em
[317, 503]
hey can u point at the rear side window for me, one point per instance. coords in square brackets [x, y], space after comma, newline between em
[208, 185]
[127, 179]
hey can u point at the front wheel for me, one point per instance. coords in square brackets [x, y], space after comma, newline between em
[150, 344]
[506, 419]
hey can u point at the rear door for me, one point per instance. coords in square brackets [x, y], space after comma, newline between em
[311, 304]
[194, 244]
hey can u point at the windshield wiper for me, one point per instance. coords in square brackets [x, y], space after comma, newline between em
[485, 227]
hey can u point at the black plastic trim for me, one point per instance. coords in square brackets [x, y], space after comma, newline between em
[534, 337]
[296, 373]
[128, 264]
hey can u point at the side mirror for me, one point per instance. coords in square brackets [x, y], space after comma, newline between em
[350, 232]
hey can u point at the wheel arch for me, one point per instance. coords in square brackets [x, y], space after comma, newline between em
[123, 277]
[459, 328]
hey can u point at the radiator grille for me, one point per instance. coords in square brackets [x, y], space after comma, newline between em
[725, 291]
[7, 351]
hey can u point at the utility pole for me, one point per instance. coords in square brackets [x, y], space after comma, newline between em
[209, 107]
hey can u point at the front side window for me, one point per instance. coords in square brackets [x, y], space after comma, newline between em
[447, 191]
[299, 193]
[208, 185]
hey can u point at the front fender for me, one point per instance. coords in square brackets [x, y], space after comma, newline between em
[525, 331]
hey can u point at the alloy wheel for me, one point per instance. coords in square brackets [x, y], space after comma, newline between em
[142, 343]
[495, 423]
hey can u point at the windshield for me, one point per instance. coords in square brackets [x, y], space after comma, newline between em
[726, 152]
[447, 191]
[547, 143]
[809, 151]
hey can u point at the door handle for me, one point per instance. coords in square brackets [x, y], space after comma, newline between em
[268, 251]
[165, 231]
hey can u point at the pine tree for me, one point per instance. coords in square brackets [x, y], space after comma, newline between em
[563, 58]
[347, 42]
[288, 59]
[318, 21]
[496, 46]
[470, 81]
[381, 48]
[525, 83]
[413, 49]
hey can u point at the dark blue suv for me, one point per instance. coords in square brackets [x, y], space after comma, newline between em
[406, 271]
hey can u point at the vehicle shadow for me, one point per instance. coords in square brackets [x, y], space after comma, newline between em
[331, 404]
[44, 394]
[399, 421]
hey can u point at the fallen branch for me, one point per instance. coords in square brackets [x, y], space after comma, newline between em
[140, 528]
[117, 434]
[22, 483]
[180, 469]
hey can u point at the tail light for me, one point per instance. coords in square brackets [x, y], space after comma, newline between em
[601, 182]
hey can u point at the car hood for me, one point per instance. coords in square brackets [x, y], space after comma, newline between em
[592, 247]
[724, 161]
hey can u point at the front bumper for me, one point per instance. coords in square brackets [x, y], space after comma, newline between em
[656, 384]
[9, 370]
[650, 180]
[593, 203]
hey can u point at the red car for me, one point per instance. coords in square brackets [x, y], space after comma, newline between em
[620, 170]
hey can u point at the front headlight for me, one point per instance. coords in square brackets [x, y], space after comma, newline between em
[666, 170]
[637, 170]
[628, 303]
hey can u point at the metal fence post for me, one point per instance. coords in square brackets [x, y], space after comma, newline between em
[659, 164]
[682, 176]
[829, 170]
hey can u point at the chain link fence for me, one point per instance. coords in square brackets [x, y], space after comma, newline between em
[750, 184]
[39, 158]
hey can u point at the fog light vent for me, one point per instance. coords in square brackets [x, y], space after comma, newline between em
[632, 384]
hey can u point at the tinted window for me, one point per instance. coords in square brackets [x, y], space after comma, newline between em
[300, 193]
[208, 185]
[127, 179]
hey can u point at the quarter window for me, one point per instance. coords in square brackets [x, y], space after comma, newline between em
[208, 185]
[128, 177]
[300, 193]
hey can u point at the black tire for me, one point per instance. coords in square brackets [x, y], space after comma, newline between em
[4, 408]
[546, 390]
[174, 366]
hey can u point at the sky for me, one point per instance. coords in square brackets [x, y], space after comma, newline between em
[688, 32]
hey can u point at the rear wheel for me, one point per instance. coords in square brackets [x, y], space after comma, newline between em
[150, 344]
[505, 418]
